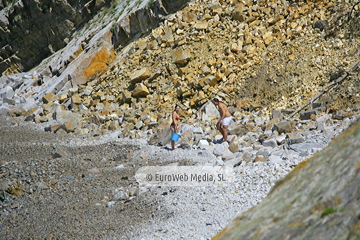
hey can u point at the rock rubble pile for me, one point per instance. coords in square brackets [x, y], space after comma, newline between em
[255, 57]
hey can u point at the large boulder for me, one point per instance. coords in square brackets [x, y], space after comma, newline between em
[311, 202]
[161, 137]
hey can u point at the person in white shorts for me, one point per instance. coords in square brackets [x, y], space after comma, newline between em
[225, 118]
[226, 121]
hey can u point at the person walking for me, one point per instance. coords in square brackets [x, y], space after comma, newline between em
[225, 118]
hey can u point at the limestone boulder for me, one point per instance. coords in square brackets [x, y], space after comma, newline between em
[140, 75]
[140, 91]
[161, 137]
[181, 56]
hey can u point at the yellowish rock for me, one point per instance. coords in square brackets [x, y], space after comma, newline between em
[140, 91]
[140, 75]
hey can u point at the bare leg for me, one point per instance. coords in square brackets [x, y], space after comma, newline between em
[225, 132]
[173, 129]
[221, 130]
[173, 145]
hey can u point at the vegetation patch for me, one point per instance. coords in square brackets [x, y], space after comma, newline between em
[327, 211]
[151, 4]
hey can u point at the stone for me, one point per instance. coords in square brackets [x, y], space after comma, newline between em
[161, 137]
[71, 125]
[275, 159]
[203, 144]
[304, 147]
[120, 196]
[220, 149]
[321, 25]
[227, 154]
[238, 15]
[30, 104]
[4, 110]
[114, 125]
[140, 75]
[95, 172]
[140, 91]
[186, 139]
[281, 139]
[234, 144]
[197, 130]
[268, 38]
[307, 114]
[284, 126]
[277, 114]
[9, 101]
[7, 92]
[243, 104]
[201, 26]
[110, 204]
[259, 159]
[270, 143]
[180, 56]
[50, 97]
[188, 17]
[125, 96]
[41, 186]
[208, 111]
[294, 138]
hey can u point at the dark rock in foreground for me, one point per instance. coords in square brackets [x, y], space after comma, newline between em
[319, 199]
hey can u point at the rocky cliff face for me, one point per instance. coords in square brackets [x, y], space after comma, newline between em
[143, 20]
[319, 199]
[33, 30]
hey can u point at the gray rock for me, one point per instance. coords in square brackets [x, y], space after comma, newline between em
[208, 111]
[280, 139]
[120, 196]
[306, 115]
[9, 101]
[162, 137]
[294, 138]
[6, 92]
[304, 147]
[284, 126]
[227, 154]
[277, 114]
[233, 162]
[187, 127]
[321, 25]
[4, 110]
[220, 149]
[270, 143]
